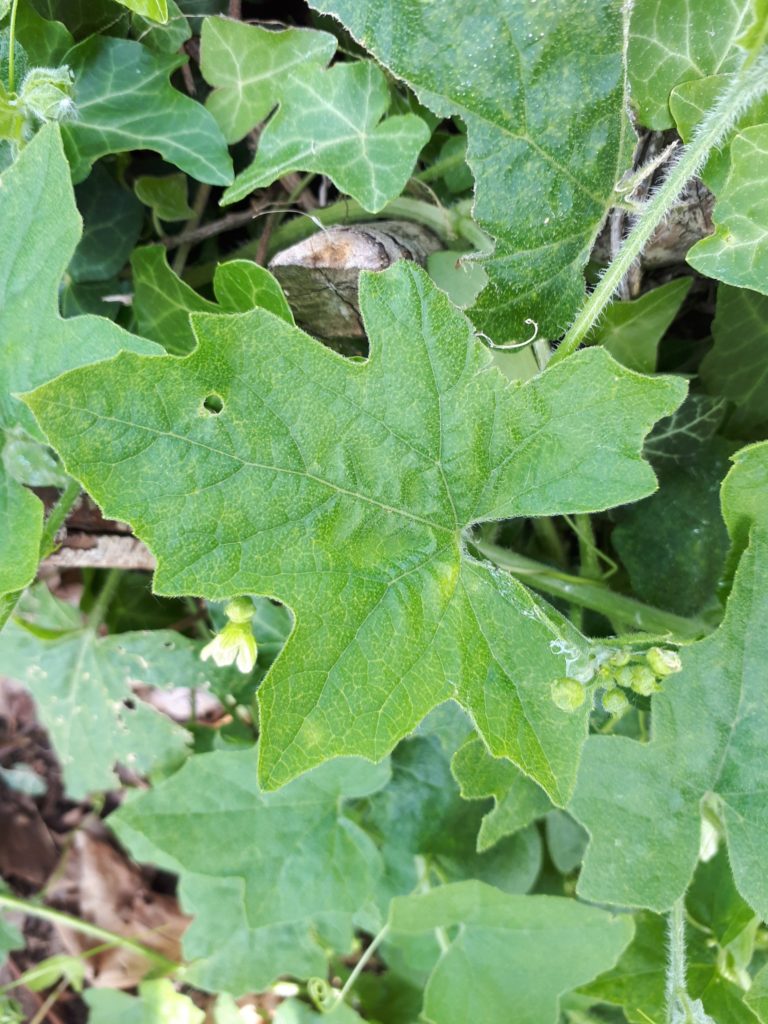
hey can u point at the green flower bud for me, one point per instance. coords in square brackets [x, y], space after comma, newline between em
[568, 694]
[643, 680]
[663, 662]
[614, 702]
[624, 676]
[239, 610]
[619, 659]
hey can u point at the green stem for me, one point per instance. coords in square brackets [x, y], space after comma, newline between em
[676, 992]
[12, 47]
[85, 928]
[198, 209]
[360, 965]
[591, 594]
[747, 86]
[103, 599]
[588, 558]
[439, 167]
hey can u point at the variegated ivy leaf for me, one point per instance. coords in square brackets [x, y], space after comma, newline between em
[328, 120]
[41, 228]
[517, 73]
[273, 879]
[124, 101]
[265, 463]
[675, 41]
[643, 809]
[162, 302]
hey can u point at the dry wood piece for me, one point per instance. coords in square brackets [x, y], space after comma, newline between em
[319, 275]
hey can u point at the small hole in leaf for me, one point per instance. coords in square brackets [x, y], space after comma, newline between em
[213, 404]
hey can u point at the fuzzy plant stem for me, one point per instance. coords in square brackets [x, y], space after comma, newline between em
[679, 1006]
[12, 47]
[746, 87]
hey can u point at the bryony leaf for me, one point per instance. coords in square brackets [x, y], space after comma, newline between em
[83, 687]
[510, 951]
[642, 809]
[517, 73]
[517, 800]
[162, 302]
[272, 879]
[124, 101]
[632, 330]
[266, 463]
[157, 1001]
[737, 365]
[41, 228]
[329, 120]
[674, 41]
[737, 252]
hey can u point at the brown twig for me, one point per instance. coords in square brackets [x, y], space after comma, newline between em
[235, 9]
[228, 222]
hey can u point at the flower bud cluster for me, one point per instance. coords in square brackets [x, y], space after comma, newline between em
[619, 671]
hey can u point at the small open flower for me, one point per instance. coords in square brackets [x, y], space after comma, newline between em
[234, 645]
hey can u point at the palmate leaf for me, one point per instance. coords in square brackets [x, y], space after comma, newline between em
[516, 73]
[674, 41]
[81, 683]
[124, 101]
[344, 489]
[272, 879]
[517, 800]
[329, 120]
[41, 228]
[641, 805]
[511, 953]
[157, 10]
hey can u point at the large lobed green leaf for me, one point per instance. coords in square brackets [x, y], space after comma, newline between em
[511, 954]
[343, 489]
[641, 802]
[273, 879]
[41, 228]
[518, 73]
[329, 120]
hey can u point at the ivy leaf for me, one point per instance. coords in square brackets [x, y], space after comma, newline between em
[41, 228]
[329, 120]
[517, 800]
[510, 951]
[675, 41]
[713, 715]
[124, 101]
[343, 489]
[272, 879]
[157, 10]
[112, 219]
[737, 252]
[632, 330]
[736, 366]
[166, 195]
[162, 302]
[82, 685]
[516, 74]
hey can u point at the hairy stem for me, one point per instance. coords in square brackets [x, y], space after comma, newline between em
[85, 928]
[746, 87]
[676, 992]
[12, 47]
[104, 598]
[587, 593]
